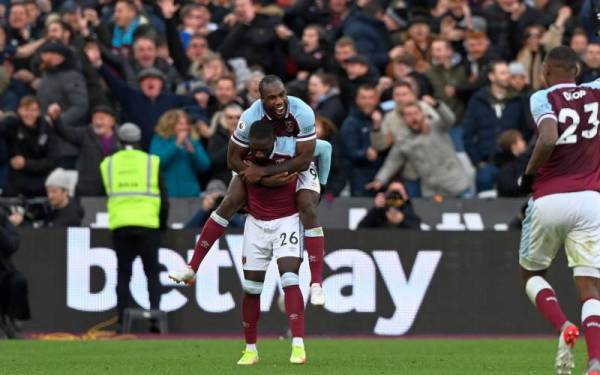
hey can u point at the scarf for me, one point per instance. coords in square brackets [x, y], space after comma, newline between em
[122, 37]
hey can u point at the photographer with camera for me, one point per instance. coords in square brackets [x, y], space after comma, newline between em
[14, 305]
[392, 209]
[211, 199]
[58, 209]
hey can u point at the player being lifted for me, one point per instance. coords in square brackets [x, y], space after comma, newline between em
[293, 121]
[272, 230]
[564, 176]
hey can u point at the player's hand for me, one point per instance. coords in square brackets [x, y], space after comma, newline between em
[252, 174]
[277, 180]
[525, 183]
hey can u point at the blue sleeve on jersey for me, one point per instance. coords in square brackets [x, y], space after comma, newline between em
[595, 84]
[242, 131]
[541, 107]
[305, 116]
[323, 153]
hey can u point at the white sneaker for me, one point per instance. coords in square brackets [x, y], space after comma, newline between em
[317, 296]
[593, 367]
[185, 275]
[564, 357]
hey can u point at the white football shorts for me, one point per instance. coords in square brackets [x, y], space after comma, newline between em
[264, 240]
[571, 220]
[309, 180]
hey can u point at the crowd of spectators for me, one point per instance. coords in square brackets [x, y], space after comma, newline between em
[430, 93]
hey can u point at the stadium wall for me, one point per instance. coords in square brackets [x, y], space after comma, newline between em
[377, 283]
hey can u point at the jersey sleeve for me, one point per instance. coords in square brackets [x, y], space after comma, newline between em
[541, 107]
[323, 155]
[306, 121]
[241, 134]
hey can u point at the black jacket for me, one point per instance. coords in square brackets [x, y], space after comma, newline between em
[332, 108]
[376, 218]
[9, 243]
[38, 147]
[69, 216]
[89, 182]
[217, 150]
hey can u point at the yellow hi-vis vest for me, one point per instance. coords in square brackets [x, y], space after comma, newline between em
[131, 182]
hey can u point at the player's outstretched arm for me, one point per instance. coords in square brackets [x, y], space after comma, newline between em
[547, 137]
[235, 157]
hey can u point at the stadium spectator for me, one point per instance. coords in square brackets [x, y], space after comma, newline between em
[14, 302]
[344, 49]
[145, 55]
[151, 97]
[120, 33]
[195, 19]
[18, 32]
[94, 143]
[181, 154]
[392, 209]
[365, 27]
[309, 53]
[324, 97]
[519, 81]
[490, 111]
[579, 42]
[224, 123]
[224, 94]
[591, 63]
[359, 72]
[538, 42]
[403, 69]
[204, 74]
[431, 151]
[507, 21]
[446, 76]
[62, 84]
[31, 149]
[549, 10]
[327, 131]
[419, 41]
[393, 128]
[250, 93]
[211, 198]
[363, 159]
[479, 53]
[511, 161]
[252, 36]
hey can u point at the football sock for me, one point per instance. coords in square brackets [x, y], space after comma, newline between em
[251, 347]
[297, 341]
[590, 316]
[213, 230]
[543, 297]
[250, 316]
[314, 241]
[294, 307]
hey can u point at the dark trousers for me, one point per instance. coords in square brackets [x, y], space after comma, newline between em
[129, 242]
[14, 302]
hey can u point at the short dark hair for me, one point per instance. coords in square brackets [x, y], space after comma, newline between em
[403, 83]
[268, 80]
[367, 87]
[491, 66]
[261, 130]
[563, 58]
[326, 79]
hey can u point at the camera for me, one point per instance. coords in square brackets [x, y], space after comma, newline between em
[394, 199]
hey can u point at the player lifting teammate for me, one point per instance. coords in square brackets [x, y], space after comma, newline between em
[292, 121]
[564, 176]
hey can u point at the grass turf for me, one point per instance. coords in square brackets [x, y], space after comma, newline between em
[325, 356]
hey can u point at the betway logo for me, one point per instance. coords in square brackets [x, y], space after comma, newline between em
[574, 95]
[359, 275]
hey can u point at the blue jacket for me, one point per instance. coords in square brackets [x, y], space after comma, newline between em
[356, 139]
[371, 37]
[179, 168]
[481, 125]
[138, 108]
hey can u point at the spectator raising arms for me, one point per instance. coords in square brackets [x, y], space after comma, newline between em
[181, 155]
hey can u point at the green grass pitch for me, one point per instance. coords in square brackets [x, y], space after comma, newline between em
[325, 356]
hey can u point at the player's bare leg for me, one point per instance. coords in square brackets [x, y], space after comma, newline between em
[213, 229]
[587, 284]
[253, 285]
[544, 299]
[294, 305]
[314, 241]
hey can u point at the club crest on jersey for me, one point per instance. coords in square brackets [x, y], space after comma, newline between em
[241, 125]
[573, 95]
[289, 126]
